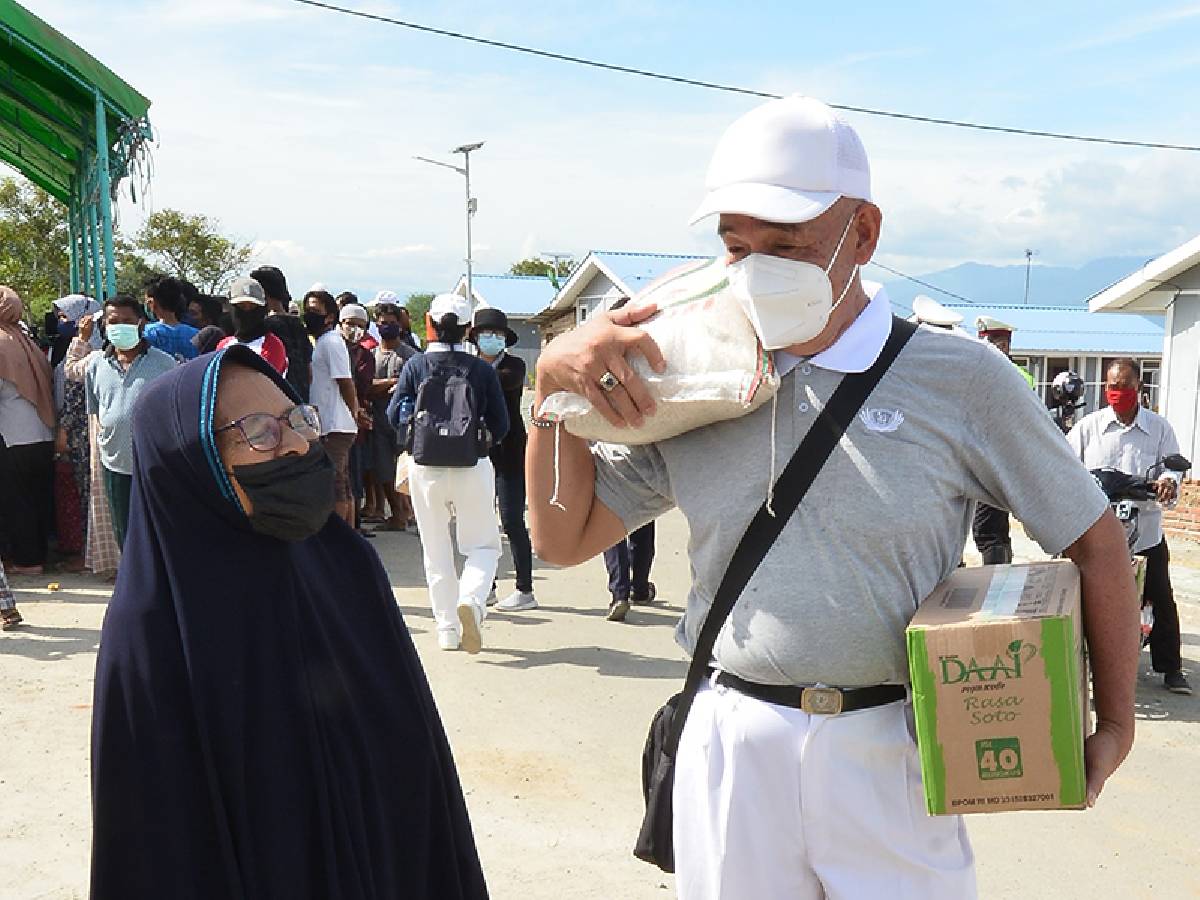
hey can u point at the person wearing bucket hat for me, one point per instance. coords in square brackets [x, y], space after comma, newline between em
[776, 792]
[492, 336]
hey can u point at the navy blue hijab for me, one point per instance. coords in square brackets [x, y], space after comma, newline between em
[263, 727]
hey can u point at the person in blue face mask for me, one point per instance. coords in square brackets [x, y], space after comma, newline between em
[492, 336]
[115, 380]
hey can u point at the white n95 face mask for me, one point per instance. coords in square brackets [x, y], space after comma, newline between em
[788, 302]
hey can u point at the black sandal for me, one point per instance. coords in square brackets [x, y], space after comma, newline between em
[10, 619]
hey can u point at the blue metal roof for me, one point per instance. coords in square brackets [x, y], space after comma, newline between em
[1070, 329]
[636, 270]
[516, 295]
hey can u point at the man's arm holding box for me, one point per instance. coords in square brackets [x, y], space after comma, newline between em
[1110, 622]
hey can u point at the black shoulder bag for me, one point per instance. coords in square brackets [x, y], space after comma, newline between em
[654, 841]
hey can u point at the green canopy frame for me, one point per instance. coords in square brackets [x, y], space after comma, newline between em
[74, 129]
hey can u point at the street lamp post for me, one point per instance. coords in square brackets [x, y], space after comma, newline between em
[472, 204]
[1029, 255]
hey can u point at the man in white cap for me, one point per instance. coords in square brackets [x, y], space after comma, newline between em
[989, 525]
[442, 398]
[927, 311]
[774, 795]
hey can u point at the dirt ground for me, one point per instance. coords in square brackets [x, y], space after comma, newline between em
[547, 726]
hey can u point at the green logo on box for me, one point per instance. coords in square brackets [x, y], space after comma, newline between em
[998, 758]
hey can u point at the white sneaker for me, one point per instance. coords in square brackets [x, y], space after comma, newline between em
[492, 598]
[448, 640]
[470, 617]
[517, 601]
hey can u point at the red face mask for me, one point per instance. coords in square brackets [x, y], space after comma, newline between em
[1123, 400]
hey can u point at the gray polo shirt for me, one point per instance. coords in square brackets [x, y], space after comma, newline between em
[1101, 440]
[111, 395]
[952, 422]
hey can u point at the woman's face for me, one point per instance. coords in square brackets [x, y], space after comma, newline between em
[241, 392]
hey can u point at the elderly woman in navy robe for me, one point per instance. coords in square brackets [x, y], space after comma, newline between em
[263, 727]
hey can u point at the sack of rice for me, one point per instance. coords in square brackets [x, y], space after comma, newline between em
[716, 368]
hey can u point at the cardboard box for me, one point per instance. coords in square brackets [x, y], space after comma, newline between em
[1000, 689]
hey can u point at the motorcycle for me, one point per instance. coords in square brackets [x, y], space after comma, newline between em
[1124, 493]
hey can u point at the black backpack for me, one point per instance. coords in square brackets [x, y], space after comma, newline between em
[446, 429]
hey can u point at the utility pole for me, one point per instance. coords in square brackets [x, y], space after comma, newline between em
[1029, 254]
[472, 204]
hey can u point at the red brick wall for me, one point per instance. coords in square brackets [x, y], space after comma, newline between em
[1184, 520]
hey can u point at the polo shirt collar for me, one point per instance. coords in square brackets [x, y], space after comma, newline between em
[1139, 421]
[860, 344]
[142, 349]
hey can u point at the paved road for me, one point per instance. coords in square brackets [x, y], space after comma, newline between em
[547, 726]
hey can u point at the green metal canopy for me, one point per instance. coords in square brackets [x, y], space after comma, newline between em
[73, 128]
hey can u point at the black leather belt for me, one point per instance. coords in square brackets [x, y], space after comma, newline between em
[821, 701]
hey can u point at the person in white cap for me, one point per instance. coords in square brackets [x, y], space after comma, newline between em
[989, 525]
[442, 398]
[777, 794]
[927, 311]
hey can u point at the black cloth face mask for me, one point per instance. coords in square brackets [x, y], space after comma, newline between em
[291, 497]
[314, 322]
[248, 323]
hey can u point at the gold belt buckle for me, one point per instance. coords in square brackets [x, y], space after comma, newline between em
[821, 701]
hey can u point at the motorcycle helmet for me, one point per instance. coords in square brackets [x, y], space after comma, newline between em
[1066, 389]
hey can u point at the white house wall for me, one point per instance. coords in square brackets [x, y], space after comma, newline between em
[598, 294]
[1183, 374]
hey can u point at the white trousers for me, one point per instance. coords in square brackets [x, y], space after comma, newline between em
[469, 496]
[770, 802]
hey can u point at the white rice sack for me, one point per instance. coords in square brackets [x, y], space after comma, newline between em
[716, 368]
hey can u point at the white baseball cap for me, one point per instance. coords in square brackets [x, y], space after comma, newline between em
[384, 297]
[929, 311]
[444, 304]
[788, 160]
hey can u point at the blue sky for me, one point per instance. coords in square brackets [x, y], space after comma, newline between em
[296, 127]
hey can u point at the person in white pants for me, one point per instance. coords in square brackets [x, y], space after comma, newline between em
[779, 792]
[466, 494]
[463, 492]
[771, 801]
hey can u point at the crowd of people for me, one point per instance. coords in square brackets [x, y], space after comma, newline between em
[67, 400]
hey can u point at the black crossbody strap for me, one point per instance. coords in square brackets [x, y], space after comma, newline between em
[790, 488]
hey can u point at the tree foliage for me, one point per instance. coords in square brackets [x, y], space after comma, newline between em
[33, 245]
[554, 270]
[190, 247]
[133, 270]
[417, 306]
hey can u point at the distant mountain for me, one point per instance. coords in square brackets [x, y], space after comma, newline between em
[1005, 285]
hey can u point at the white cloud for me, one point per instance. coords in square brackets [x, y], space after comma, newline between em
[389, 252]
[307, 153]
[1135, 27]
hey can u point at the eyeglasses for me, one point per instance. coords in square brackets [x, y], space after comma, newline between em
[264, 432]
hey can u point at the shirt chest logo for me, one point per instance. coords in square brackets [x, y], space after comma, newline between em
[881, 420]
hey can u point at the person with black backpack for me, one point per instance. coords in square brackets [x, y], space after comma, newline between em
[449, 409]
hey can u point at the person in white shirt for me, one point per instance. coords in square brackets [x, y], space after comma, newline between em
[1132, 439]
[332, 392]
